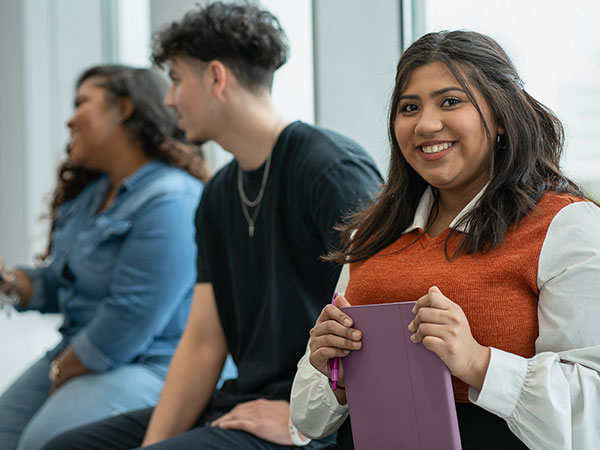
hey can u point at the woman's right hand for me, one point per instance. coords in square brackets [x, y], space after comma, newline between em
[16, 284]
[333, 337]
[6, 278]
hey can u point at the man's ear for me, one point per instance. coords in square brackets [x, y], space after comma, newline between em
[218, 76]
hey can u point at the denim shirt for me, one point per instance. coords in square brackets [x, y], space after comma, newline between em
[123, 278]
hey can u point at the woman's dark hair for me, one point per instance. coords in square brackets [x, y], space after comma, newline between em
[524, 161]
[152, 125]
[249, 40]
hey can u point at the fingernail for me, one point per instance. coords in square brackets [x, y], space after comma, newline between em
[356, 335]
[347, 322]
[356, 344]
[410, 326]
[413, 337]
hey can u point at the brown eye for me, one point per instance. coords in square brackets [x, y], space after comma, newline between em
[452, 101]
[408, 108]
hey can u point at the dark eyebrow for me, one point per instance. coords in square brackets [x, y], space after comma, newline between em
[433, 94]
[443, 91]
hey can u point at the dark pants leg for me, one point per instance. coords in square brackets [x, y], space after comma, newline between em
[482, 430]
[126, 431]
[213, 438]
[122, 432]
[479, 430]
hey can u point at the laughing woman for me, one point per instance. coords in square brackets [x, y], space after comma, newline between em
[500, 250]
[120, 265]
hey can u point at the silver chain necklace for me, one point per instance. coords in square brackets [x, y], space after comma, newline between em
[244, 201]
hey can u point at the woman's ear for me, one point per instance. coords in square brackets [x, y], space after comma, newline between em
[125, 109]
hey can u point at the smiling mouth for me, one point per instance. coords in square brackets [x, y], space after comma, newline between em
[431, 149]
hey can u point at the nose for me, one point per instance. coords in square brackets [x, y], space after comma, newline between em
[429, 122]
[70, 122]
[170, 97]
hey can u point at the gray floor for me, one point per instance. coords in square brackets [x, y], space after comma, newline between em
[24, 337]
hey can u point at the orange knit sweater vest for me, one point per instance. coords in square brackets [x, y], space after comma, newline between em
[497, 290]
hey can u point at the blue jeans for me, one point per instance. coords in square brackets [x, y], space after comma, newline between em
[29, 417]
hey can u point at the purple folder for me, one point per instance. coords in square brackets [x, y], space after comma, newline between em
[399, 393]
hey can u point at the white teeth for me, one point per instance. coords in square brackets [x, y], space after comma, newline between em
[436, 148]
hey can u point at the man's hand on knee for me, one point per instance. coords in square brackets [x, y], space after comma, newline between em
[266, 419]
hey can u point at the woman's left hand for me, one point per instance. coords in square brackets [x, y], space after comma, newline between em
[443, 328]
[68, 366]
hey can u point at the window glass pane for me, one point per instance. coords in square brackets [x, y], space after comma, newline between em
[556, 49]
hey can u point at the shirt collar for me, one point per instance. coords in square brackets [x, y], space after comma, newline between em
[126, 185]
[424, 209]
[133, 179]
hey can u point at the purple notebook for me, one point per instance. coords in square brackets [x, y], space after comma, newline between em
[399, 393]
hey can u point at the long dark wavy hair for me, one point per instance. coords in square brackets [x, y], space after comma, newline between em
[151, 124]
[524, 162]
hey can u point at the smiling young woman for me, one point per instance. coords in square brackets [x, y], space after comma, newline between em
[499, 249]
[122, 219]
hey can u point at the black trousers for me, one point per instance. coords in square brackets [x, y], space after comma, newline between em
[126, 431]
[479, 430]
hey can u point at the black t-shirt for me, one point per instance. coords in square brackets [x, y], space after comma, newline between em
[270, 288]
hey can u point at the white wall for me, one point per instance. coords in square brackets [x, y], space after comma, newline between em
[22, 338]
[357, 46]
[13, 235]
[47, 45]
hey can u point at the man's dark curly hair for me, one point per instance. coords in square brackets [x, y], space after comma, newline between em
[249, 40]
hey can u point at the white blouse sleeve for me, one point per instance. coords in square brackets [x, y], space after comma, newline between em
[314, 410]
[551, 401]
